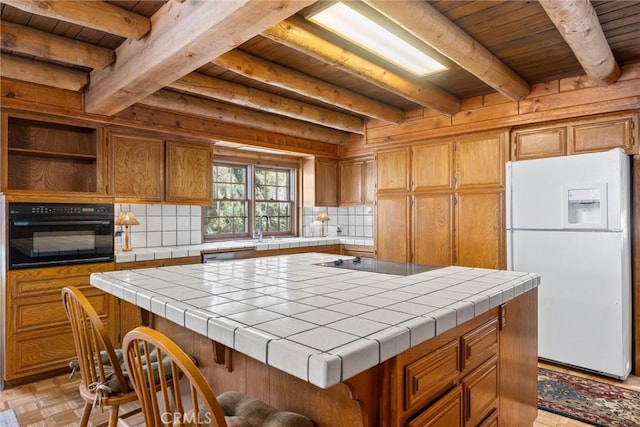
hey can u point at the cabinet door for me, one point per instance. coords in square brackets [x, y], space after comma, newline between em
[432, 166]
[479, 234]
[480, 160]
[604, 134]
[351, 183]
[538, 143]
[446, 412]
[326, 180]
[480, 395]
[369, 182]
[392, 170]
[392, 228]
[136, 167]
[433, 229]
[519, 361]
[189, 172]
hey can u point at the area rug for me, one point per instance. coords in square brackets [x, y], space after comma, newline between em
[586, 400]
[8, 419]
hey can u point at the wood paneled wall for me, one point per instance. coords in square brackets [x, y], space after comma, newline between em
[568, 98]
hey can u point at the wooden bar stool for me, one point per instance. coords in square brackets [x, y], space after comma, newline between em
[197, 406]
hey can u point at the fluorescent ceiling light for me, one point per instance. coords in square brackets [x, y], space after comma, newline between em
[262, 150]
[357, 28]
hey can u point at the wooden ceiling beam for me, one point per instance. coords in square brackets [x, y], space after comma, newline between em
[29, 70]
[187, 104]
[184, 36]
[98, 15]
[577, 22]
[427, 24]
[276, 75]
[234, 93]
[297, 34]
[26, 40]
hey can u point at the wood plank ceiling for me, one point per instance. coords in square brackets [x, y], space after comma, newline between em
[261, 64]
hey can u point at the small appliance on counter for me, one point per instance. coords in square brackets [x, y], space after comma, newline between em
[49, 234]
[568, 220]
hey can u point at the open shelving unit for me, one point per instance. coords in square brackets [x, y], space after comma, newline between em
[48, 156]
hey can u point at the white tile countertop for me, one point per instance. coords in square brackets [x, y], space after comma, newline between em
[164, 252]
[318, 323]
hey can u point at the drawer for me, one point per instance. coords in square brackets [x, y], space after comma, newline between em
[479, 343]
[491, 421]
[481, 392]
[446, 412]
[38, 315]
[29, 355]
[431, 375]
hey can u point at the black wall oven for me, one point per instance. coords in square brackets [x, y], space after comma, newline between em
[49, 234]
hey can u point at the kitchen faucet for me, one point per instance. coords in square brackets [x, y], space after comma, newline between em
[259, 226]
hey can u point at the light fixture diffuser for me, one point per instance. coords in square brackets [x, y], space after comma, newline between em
[359, 29]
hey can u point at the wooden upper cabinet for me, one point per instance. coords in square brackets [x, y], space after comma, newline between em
[538, 143]
[480, 160]
[320, 182]
[351, 183]
[189, 167]
[136, 167]
[392, 171]
[432, 166]
[357, 186]
[605, 134]
[575, 137]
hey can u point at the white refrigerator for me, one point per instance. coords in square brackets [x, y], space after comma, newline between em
[568, 220]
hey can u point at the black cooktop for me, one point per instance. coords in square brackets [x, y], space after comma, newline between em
[375, 266]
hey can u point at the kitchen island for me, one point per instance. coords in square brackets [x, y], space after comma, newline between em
[351, 347]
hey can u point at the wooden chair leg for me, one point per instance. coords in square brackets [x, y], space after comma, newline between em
[113, 416]
[86, 412]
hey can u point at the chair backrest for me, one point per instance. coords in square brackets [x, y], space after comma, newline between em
[195, 406]
[97, 360]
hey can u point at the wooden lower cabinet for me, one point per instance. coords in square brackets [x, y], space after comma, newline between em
[450, 380]
[479, 374]
[38, 336]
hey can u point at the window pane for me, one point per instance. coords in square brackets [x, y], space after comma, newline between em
[239, 191]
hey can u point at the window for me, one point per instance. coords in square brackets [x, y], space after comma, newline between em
[273, 198]
[243, 191]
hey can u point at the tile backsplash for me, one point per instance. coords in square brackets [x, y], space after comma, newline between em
[163, 225]
[356, 221]
[171, 225]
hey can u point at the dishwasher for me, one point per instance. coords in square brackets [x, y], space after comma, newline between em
[227, 254]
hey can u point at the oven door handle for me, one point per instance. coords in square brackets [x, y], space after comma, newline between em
[31, 223]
